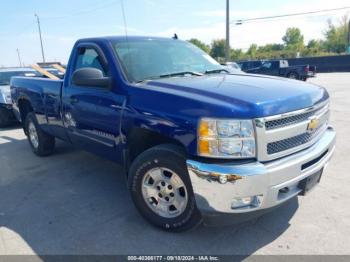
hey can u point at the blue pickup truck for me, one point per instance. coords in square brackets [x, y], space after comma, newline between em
[197, 142]
[278, 68]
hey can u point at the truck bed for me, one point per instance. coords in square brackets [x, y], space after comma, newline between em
[44, 95]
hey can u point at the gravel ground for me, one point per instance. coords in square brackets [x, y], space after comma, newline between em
[76, 203]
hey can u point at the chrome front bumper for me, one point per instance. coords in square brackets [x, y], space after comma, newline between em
[271, 183]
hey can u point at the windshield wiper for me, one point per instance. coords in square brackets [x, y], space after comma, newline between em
[181, 74]
[216, 71]
[170, 75]
[146, 79]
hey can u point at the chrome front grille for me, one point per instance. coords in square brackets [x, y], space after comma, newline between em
[278, 123]
[284, 134]
[285, 144]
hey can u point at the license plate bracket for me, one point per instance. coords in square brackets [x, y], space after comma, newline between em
[307, 184]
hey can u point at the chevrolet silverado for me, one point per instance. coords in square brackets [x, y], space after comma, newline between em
[198, 143]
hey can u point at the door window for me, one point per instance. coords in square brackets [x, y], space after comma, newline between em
[88, 57]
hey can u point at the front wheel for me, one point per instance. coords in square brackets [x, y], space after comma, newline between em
[161, 189]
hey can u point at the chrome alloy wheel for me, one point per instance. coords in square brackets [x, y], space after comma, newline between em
[164, 192]
[33, 135]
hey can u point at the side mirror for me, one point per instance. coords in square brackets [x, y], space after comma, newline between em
[90, 77]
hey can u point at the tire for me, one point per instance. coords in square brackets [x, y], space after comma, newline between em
[293, 75]
[41, 143]
[5, 119]
[167, 162]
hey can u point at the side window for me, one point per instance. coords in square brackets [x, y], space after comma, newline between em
[88, 57]
[267, 65]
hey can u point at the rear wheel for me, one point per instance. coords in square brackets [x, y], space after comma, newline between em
[41, 143]
[161, 189]
[293, 75]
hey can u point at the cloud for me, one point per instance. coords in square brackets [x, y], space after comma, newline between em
[213, 13]
[150, 2]
[204, 24]
[221, 13]
[262, 32]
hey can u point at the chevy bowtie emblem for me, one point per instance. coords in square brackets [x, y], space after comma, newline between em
[313, 124]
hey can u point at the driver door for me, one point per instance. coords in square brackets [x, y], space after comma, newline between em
[92, 114]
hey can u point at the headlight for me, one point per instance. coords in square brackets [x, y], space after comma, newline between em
[8, 99]
[6, 94]
[226, 138]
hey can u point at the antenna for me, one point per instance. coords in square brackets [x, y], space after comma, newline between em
[126, 30]
[124, 18]
[227, 47]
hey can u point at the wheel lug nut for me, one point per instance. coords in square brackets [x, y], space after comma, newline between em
[158, 188]
[160, 195]
[163, 183]
[167, 198]
[172, 194]
[170, 187]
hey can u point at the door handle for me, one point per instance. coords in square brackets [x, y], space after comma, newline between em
[115, 106]
[74, 100]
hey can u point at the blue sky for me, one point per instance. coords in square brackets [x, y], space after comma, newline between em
[65, 21]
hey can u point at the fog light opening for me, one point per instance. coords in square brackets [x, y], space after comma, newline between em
[223, 179]
[246, 202]
[284, 190]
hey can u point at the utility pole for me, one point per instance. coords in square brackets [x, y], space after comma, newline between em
[41, 40]
[227, 49]
[349, 38]
[19, 58]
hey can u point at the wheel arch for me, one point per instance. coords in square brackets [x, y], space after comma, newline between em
[140, 139]
[24, 107]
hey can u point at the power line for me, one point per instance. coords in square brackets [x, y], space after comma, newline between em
[227, 47]
[288, 18]
[19, 58]
[349, 38]
[240, 21]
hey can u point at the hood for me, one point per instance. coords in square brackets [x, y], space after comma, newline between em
[263, 95]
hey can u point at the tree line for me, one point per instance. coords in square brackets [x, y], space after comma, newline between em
[335, 42]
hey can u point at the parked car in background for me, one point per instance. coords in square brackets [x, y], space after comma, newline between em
[195, 141]
[233, 67]
[53, 71]
[7, 116]
[278, 68]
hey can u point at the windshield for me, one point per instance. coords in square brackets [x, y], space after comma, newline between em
[155, 58]
[5, 77]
